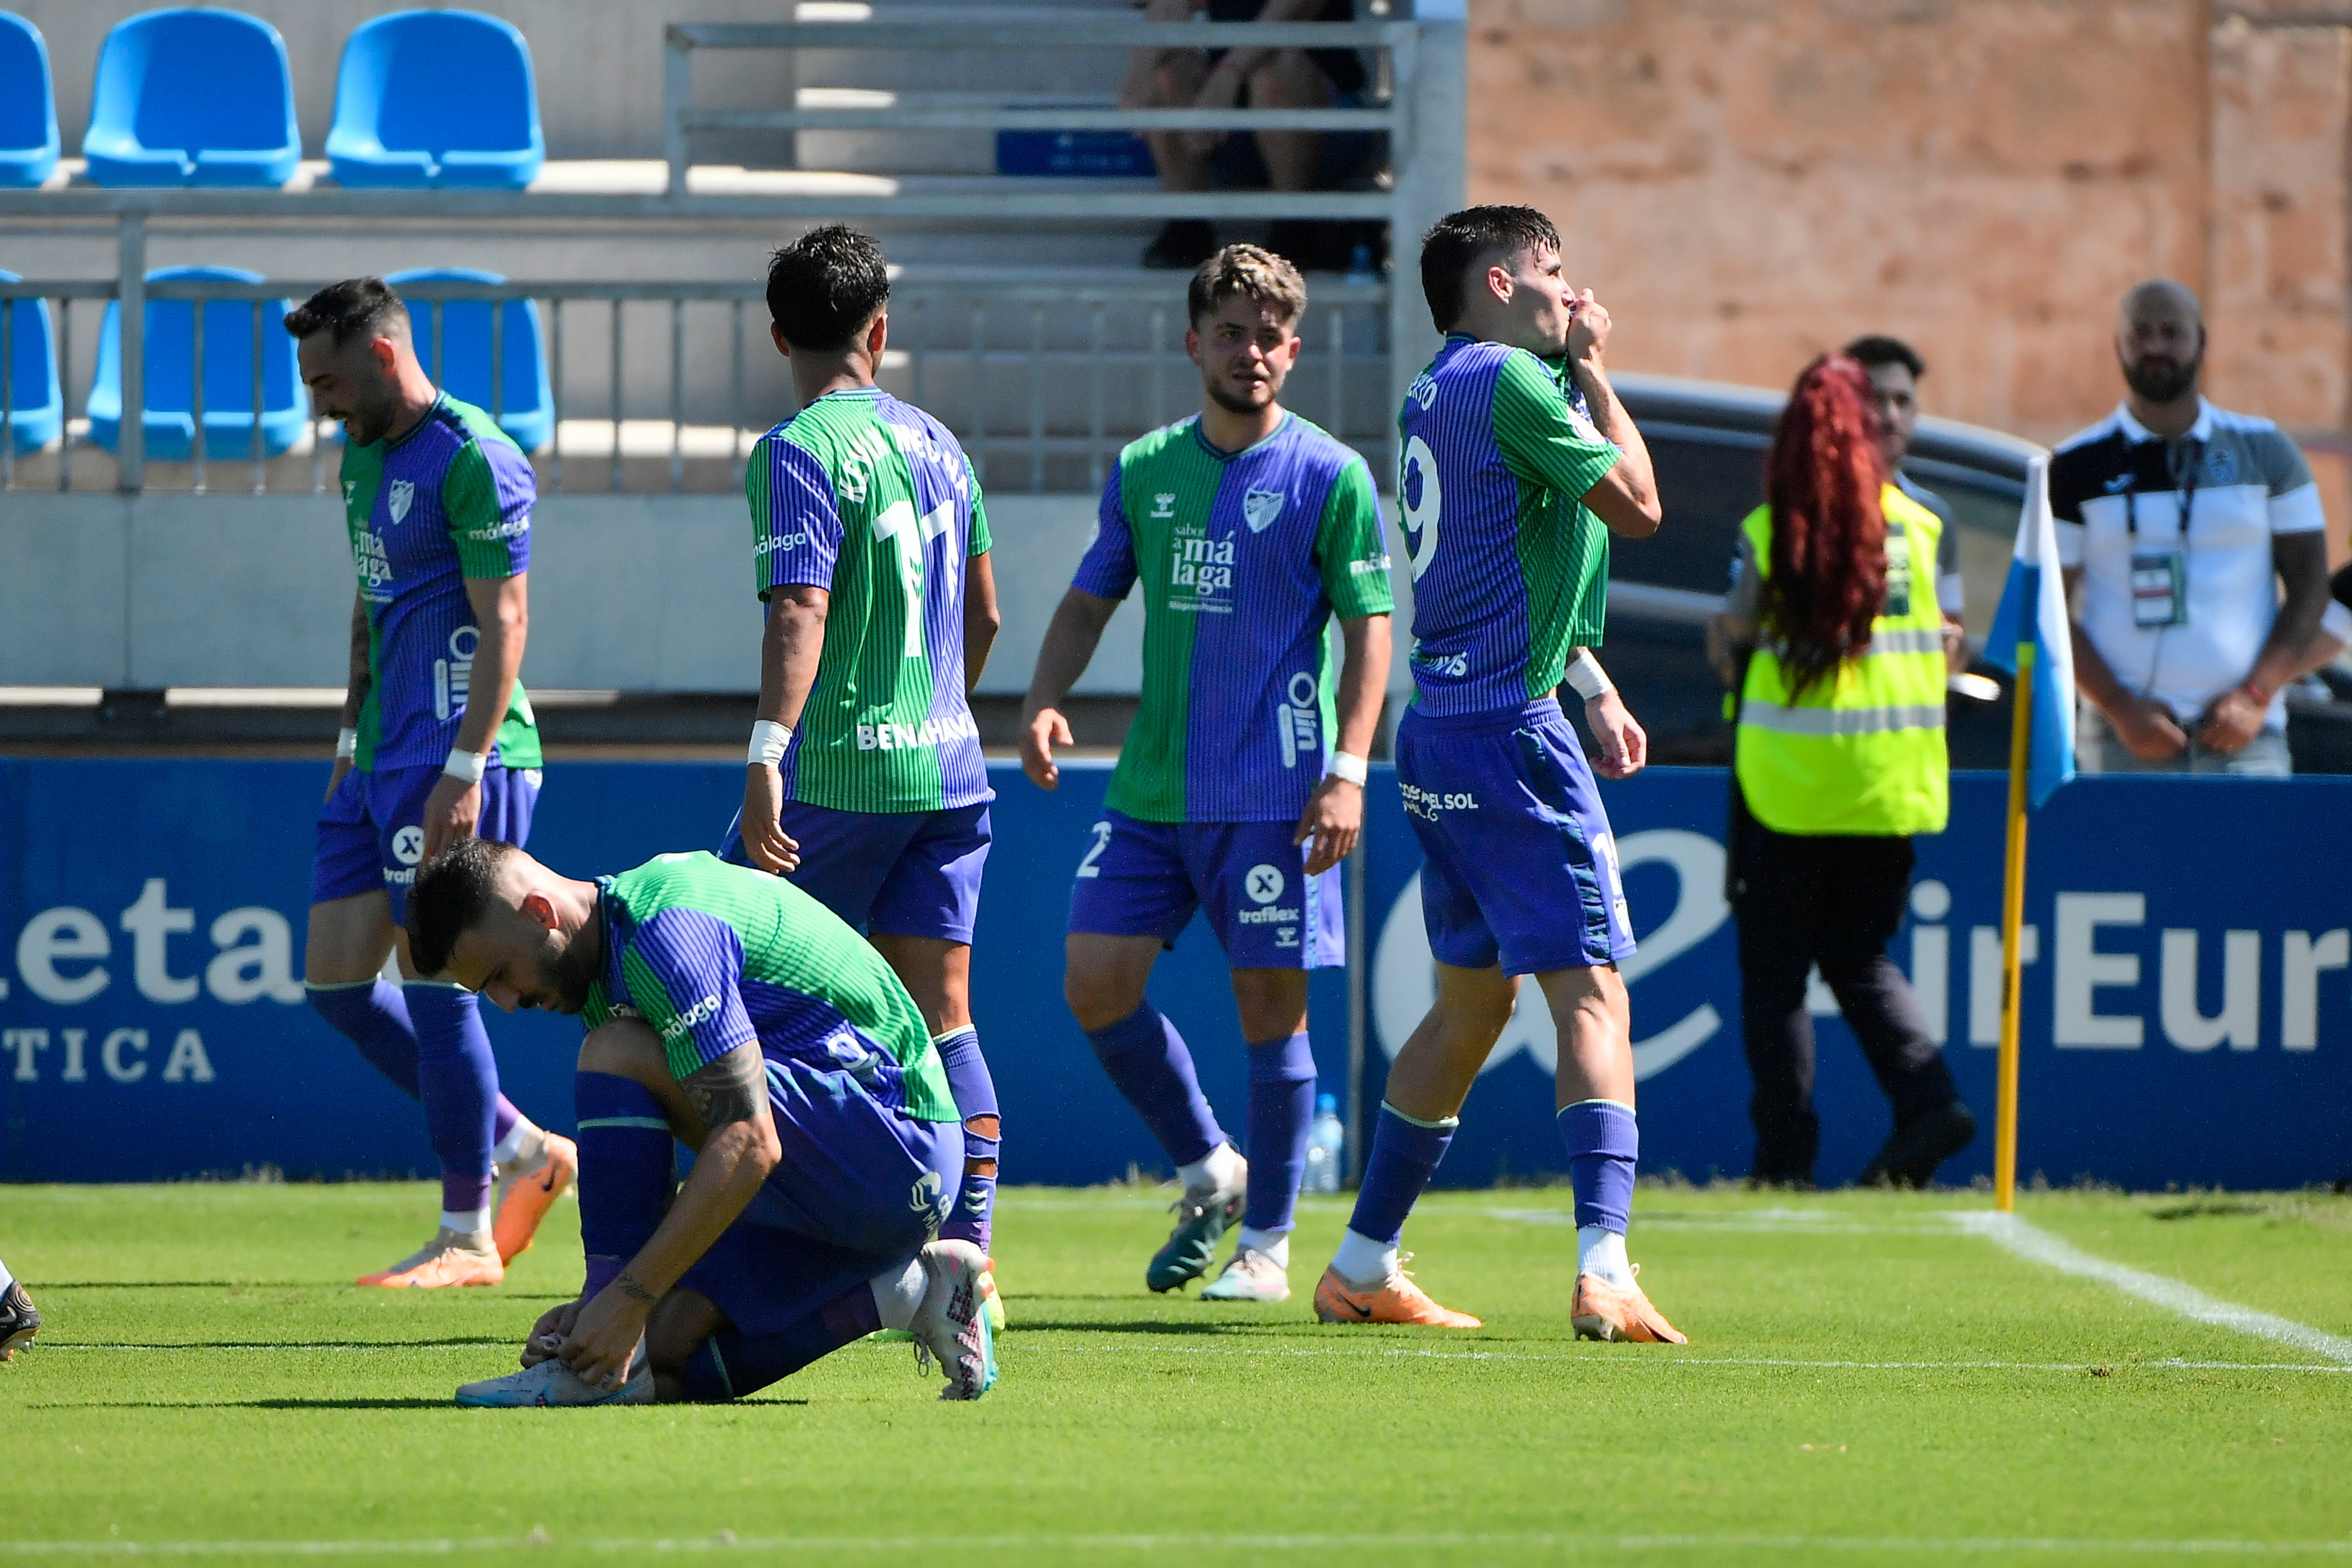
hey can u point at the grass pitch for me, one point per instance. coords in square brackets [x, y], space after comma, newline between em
[1865, 1381]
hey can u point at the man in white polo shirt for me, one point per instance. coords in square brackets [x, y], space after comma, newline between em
[2178, 522]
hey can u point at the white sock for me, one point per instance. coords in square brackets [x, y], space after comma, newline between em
[1360, 1260]
[1216, 1172]
[523, 1137]
[1275, 1244]
[473, 1222]
[7, 1279]
[1601, 1253]
[897, 1295]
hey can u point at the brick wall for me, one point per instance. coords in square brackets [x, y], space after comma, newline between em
[1748, 182]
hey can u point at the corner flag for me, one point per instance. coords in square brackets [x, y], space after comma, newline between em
[2029, 639]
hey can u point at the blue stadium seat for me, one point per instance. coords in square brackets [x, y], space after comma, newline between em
[28, 105]
[37, 414]
[193, 97]
[526, 412]
[439, 98]
[169, 424]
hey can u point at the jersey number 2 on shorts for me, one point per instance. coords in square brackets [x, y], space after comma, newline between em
[1420, 500]
[1086, 867]
[899, 522]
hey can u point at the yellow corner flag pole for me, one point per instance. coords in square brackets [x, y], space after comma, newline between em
[2013, 920]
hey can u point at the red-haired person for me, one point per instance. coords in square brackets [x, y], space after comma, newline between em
[1841, 760]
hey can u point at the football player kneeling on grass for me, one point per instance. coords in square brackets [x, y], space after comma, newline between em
[729, 1011]
[19, 1321]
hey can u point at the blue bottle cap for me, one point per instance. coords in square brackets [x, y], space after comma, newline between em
[1324, 1102]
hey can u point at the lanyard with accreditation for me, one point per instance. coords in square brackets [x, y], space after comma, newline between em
[2160, 578]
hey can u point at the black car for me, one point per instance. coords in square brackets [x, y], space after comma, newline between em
[1709, 441]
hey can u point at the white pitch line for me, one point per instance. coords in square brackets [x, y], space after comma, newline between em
[1597, 1358]
[1675, 1358]
[1762, 1222]
[2039, 1245]
[1299, 1541]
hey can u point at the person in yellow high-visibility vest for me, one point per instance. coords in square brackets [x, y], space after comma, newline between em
[1839, 760]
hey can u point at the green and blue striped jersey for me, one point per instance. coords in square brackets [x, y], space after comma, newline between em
[1243, 558]
[715, 956]
[1510, 570]
[872, 500]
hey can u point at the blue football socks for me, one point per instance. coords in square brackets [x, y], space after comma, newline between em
[1603, 1144]
[1147, 1060]
[975, 1098]
[624, 1171]
[730, 1364]
[374, 1015]
[1404, 1156]
[458, 1081]
[1281, 1113]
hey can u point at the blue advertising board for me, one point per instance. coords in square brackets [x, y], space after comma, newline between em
[2188, 1013]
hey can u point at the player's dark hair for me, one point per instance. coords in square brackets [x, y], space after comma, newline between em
[1246, 271]
[826, 286]
[1877, 348]
[1828, 565]
[353, 308]
[454, 891]
[1460, 241]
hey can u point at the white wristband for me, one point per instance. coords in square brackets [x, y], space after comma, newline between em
[467, 765]
[769, 740]
[1344, 765]
[347, 743]
[1585, 674]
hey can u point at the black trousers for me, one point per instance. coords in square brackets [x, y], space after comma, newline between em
[1836, 902]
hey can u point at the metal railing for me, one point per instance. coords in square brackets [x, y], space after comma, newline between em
[963, 329]
[1399, 40]
[1422, 118]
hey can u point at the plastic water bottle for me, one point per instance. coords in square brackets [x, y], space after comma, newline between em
[1326, 1147]
[1359, 265]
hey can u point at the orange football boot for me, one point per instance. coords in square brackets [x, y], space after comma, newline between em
[1396, 1300]
[1604, 1312]
[444, 1263]
[528, 1197]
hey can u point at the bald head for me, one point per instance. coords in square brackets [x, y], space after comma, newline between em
[2161, 341]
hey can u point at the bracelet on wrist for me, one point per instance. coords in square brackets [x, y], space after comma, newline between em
[1349, 766]
[467, 765]
[769, 743]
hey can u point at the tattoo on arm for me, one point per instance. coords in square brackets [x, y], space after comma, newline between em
[731, 1089]
[627, 1285]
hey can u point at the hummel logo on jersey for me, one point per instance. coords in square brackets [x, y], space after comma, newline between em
[925, 1198]
[706, 1008]
[1261, 508]
[403, 493]
[1163, 506]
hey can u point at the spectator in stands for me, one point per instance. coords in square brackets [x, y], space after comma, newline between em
[1841, 760]
[1245, 78]
[2177, 523]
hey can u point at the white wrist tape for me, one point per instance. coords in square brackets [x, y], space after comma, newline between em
[2336, 622]
[467, 765]
[347, 743]
[1585, 674]
[1345, 765]
[769, 740]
